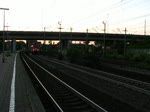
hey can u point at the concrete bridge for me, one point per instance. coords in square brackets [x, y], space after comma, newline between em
[37, 35]
[65, 36]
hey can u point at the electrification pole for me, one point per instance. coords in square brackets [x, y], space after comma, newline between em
[86, 43]
[71, 36]
[59, 23]
[125, 41]
[145, 28]
[44, 40]
[104, 46]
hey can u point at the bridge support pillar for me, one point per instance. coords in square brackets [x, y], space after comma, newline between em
[13, 45]
[87, 46]
[27, 45]
[64, 44]
[114, 43]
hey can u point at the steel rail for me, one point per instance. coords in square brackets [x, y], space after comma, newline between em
[43, 86]
[108, 79]
[99, 108]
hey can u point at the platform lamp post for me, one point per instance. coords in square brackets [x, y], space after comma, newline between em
[7, 35]
[3, 58]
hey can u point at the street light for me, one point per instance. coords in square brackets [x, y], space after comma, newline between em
[7, 35]
[3, 58]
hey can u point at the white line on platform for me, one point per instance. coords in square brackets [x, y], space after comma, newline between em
[12, 97]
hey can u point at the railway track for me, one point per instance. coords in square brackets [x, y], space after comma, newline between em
[140, 85]
[131, 91]
[59, 94]
[132, 73]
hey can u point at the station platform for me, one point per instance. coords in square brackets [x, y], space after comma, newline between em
[17, 93]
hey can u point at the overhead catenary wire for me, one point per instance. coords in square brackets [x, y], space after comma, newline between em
[115, 8]
[124, 8]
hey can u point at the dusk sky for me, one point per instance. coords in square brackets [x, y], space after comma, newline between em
[33, 15]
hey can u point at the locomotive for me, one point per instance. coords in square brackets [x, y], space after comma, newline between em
[35, 47]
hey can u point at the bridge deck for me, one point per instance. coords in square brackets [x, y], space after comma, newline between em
[37, 35]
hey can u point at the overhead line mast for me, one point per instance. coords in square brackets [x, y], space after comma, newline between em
[145, 28]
